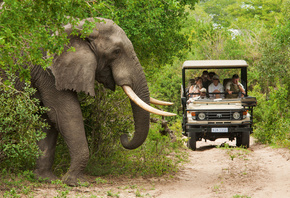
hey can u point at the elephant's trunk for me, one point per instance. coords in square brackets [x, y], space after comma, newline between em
[141, 117]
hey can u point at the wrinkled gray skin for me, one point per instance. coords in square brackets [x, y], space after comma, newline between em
[107, 55]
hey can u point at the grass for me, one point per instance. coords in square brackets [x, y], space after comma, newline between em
[241, 196]
[99, 180]
[158, 156]
[24, 185]
[235, 152]
[111, 194]
[15, 185]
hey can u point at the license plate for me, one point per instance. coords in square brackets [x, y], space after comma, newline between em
[219, 130]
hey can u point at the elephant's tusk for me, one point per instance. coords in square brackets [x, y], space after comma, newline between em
[131, 94]
[159, 102]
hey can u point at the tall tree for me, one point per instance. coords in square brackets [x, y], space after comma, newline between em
[27, 27]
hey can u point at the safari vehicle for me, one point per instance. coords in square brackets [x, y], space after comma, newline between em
[210, 119]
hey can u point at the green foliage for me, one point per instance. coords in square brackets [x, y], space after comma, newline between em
[218, 11]
[156, 157]
[23, 35]
[107, 116]
[159, 30]
[211, 40]
[26, 27]
[165, 84]
[154, 28]
[244, 14]
[20, 127]
[274, 63]
[258, 32]
[272, 122]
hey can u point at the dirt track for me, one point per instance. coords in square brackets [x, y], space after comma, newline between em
[261, 172]
[258, 172]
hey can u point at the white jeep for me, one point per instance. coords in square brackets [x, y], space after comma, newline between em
[212, 118]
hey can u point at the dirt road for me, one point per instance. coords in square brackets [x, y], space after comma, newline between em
[259, 172]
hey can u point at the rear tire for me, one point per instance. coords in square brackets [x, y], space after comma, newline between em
[191, 141]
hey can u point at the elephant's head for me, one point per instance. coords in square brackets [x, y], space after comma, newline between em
[108, 56]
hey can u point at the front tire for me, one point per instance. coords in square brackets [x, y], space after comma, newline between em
[191, 141]
[244, 140]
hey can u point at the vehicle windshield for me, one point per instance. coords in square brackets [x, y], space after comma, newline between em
[214, 84]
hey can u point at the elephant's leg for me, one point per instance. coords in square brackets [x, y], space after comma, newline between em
[66, 113]
[45, 161]
[75, 138]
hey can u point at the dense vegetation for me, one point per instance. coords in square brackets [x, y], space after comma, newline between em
[26, 27]
[164, 34]
[257, 32]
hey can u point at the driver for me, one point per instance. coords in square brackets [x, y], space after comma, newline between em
[235, 86]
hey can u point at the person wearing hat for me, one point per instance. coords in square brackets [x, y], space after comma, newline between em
[216, 87]
[203, 93]
[235, 86]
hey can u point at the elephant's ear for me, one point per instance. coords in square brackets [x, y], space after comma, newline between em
[75, 70]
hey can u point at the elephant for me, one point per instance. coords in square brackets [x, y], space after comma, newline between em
[107, 56]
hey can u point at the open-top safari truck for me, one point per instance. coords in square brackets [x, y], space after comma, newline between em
[209, 119]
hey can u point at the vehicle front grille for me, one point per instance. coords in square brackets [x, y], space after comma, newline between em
[219, 115]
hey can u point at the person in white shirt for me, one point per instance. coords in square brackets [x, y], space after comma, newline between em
[216, 87]
[235, 86]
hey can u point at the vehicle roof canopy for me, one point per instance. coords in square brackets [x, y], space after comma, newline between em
[213, 64]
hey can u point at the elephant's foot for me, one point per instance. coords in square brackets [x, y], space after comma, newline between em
[45, 175]
[73, 179]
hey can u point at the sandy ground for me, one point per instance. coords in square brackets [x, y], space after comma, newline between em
[259, 172]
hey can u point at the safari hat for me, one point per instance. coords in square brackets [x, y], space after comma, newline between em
[215, 77]
[203, 90]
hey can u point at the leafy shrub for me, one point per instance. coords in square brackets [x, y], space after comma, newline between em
[272, 122]
[156, 157]
[165, 84]
[20, 126]
[106, 117]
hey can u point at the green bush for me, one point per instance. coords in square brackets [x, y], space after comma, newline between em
[165, 84]
[156, 157]
[107, 116]
[20, 127]
[272, 124]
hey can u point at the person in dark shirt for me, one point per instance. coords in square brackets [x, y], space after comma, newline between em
[235, 86]
[205, 79]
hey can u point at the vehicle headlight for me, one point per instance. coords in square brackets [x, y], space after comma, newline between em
[236, 115]
[201, 116]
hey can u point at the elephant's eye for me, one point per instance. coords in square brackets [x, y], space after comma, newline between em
[117, 52]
